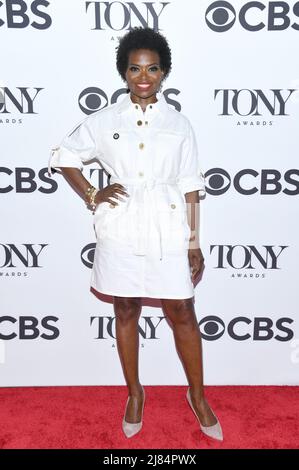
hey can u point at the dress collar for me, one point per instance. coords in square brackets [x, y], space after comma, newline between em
[126, 104]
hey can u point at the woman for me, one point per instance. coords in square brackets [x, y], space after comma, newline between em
[146, 219]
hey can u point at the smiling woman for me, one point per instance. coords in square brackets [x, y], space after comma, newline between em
[156, 63]
[147, 218]
[144, 76]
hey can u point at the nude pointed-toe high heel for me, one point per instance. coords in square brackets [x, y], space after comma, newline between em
[214, 431]
[130, 429]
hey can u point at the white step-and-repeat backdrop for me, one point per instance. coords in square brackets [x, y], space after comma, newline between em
[236, 76]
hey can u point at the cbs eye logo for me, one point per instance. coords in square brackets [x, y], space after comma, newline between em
[217, 181]
[220, 16]
[87, 255]
[211, 328]
[94, 99]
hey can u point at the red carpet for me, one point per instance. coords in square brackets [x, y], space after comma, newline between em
[90, 417]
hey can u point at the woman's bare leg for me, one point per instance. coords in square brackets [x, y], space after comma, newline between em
[188, 343]
[127, 312]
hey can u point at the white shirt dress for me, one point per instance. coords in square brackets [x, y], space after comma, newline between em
[142, 244]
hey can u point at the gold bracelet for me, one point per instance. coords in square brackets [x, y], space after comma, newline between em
[92, 199]
[88, 193]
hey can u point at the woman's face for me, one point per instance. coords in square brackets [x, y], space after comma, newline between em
[143, 73]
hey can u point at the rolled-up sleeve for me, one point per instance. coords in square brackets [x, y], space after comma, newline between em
[77, 147]
[191, 177]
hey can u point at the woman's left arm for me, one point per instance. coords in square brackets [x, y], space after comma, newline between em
[195, 255]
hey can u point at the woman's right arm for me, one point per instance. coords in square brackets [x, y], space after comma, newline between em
[77, 147]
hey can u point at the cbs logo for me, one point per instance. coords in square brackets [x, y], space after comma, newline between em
[244, 328]
[94, 99]
[18, 14]
[28, 327]
[221, 16]
[249, 182]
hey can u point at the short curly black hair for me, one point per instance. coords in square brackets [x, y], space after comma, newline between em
[143, 38]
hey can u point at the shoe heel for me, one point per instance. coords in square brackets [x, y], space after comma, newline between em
[130, 429]
[214, 431]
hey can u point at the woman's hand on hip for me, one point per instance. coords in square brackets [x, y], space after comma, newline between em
[114, 190]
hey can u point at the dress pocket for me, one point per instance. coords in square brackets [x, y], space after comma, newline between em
[175, 230]
[179, 219]
[106, 217]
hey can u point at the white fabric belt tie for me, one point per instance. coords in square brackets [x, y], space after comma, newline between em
[147, 185]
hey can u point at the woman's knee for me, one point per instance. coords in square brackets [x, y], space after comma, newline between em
[180, 312]
[127, 308]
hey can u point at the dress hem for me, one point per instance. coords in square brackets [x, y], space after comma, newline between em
[144, 295]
